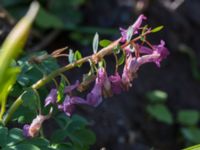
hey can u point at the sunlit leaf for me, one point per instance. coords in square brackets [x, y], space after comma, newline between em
[105, 43]
[157, 96]
[95, 43]
[157, 29]
[129, 33]
[61, 89]
[71, 56]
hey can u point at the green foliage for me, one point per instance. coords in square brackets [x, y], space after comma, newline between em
[191, 134]
[104, 43]
[71, 56]
[157, 29]
[10, 49]
[33, 67]
[160, 112]
[78, 56]
[188, 117]
[73, 134]
[75, 130]
[156, 96]
[61, 89]
[14, 140]
[121, 59]
[46, 19]
[193, 60]
[95, 43]
[129, 33]
[195, 147]
[60, 14]
[30, 99]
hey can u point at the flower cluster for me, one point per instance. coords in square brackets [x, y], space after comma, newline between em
[106, 86]
[136, 55]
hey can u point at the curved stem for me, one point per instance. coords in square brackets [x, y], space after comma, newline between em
[95, 58]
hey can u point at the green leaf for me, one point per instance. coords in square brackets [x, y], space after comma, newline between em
[161, 113]
[22, 147]
[157, 29]
[65, 146]
[195, 147]
[156, 96]
[71, 56]
[62, 120]
[40, 142]
[30, 99]
[47, 20]
[61, 89]
[15, 136]
[117, 49]
[77, 123]
[191, 134]
[59, 136]
[78, 56]
[121, 59]
[188, 117]
[3, 136]
[129, 33]
[83, 137]
[95, 43]
[105, 43]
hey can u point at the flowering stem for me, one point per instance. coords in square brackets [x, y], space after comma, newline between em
[94, 58]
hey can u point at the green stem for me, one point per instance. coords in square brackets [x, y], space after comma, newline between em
[94, 58]
[13, 108]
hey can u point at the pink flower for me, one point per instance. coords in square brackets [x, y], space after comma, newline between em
[33, 129]
[132, 64]
[134, 27]
[51, 98]
[127, 75]
[70, 88]
[116, 83]
[94, 98]
[69, 103]
[156, 55]
[103, 80]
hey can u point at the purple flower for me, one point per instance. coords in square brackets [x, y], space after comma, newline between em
[134, 27]
[94, 98]
[103, 80]
[156, 55]
[26, 130]
[70, 88]
[127, 75]
[51, 98]
[33, 129]
[116, 83]
[69, 103]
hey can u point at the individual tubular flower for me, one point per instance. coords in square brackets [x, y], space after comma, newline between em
[94, 98]
[116, 83]
[104, 81]
[132, 64]
[156, 55]
[134, 27]
[69, 103]
[51, 98]
[127, 75]
[33, 129]
[70, 88]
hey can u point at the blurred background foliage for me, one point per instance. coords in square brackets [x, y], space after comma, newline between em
[161, 111]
